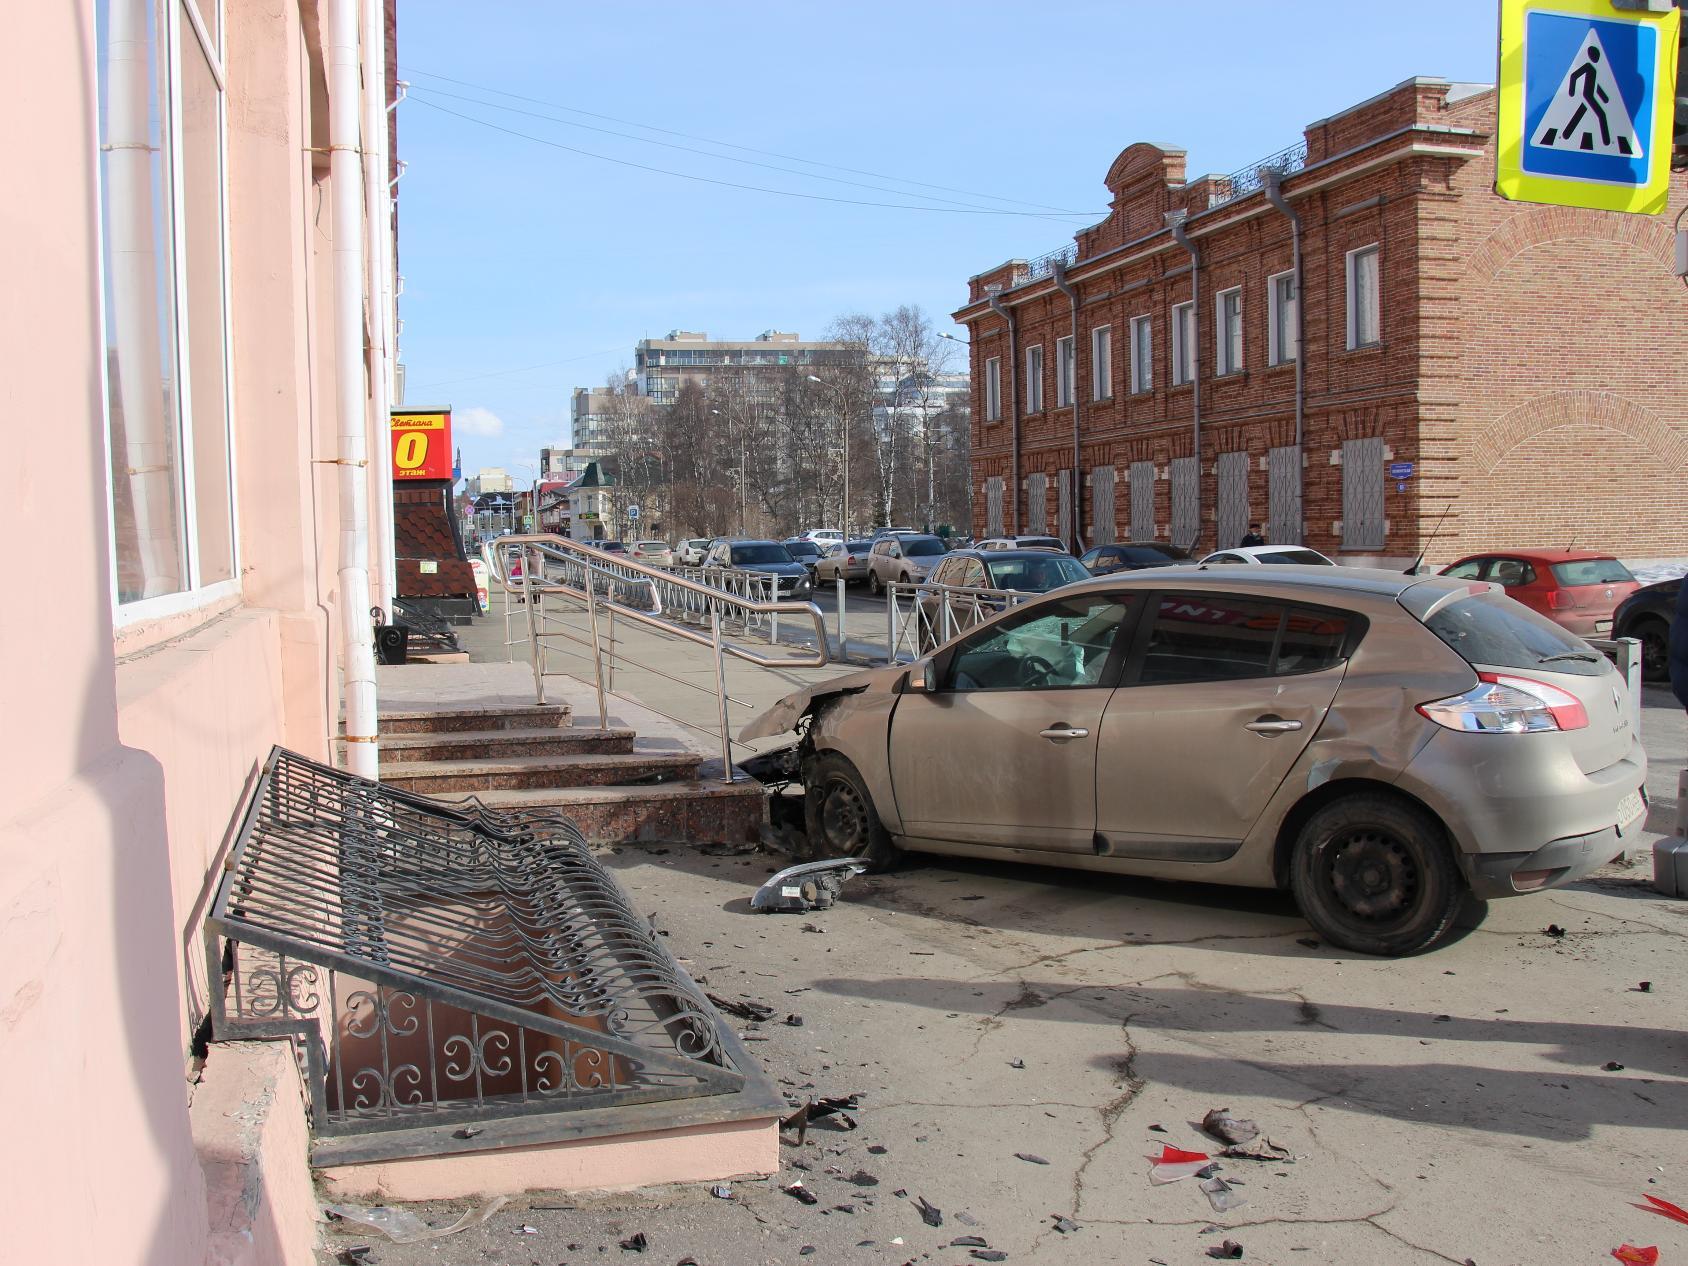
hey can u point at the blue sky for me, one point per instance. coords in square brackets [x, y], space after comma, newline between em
[521, 256]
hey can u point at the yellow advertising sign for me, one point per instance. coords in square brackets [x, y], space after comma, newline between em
[422, 445]
[1587, 99]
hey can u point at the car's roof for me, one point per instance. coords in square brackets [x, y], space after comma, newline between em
[1007, 555]
[1548, 556]
[1308, 582]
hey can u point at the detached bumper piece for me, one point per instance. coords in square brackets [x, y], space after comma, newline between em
[454, 978]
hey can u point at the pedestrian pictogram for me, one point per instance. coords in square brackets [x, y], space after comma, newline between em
[1588, 114]
[1586, 92]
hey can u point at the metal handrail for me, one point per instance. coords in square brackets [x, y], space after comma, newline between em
[670, 603]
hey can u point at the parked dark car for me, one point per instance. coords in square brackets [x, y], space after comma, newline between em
[1104, 560]
[1647, 614]
[1030, 570]
[769, 557]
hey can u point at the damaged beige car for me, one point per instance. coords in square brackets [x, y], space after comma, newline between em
[1385, 747]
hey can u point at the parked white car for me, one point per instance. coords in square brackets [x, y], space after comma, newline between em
[1297, 555]
[690, 553]
[823, 536]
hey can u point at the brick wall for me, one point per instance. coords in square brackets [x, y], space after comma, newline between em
[1537, 421]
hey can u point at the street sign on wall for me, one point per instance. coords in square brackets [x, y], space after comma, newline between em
[422, 444]
[1587, 95]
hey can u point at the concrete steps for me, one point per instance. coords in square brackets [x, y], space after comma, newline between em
[500, 744]
[696, 811]
[602, 779]
[456, 720]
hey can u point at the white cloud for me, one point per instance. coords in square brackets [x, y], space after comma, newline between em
[477, 421]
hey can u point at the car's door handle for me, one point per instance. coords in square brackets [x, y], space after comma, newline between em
[1272, 725]
[1063, 733]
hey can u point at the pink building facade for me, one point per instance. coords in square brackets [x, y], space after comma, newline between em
[182, 499]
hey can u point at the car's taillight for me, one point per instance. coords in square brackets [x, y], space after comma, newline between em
[1501, 704]
[1559, 600]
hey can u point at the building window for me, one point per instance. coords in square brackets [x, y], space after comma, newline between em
[1064, 372]
[162, 238]
[1364, 327]
[1034, 379]
[1183, 344]
[1142, 355]
[1102, 363]
[993, 389]
[1284, 319]
[1228, 331]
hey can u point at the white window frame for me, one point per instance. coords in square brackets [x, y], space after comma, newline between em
[1142, 355]
[1350, 267]
[1102, 363]
[192, 596]
[1034, 379]
[1066, 365]
[1183, 344]
[1227, 344]
[1279, 349]
[993, 389]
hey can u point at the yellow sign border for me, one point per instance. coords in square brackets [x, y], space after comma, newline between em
[1513, 182]
[420, 421]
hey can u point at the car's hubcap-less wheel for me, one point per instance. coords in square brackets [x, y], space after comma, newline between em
[844, 818]
[1655, 649]
[1373, 876]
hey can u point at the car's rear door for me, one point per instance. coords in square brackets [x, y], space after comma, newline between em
[1219, 696]
[1005, 752]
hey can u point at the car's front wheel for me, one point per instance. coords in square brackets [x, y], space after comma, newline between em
[1654, 634]
[873, 585]
[1375, 874]
[839, 813]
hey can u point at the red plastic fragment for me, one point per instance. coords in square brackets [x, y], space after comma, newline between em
[1664, 1208]
[1648, 1256]
[1177, 1155]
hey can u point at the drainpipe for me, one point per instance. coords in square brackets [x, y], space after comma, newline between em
[1076, 488]
[134, 301]
[1183, 239]
[1007, 314]
[357, 641]
[379, 230]
[1275, 195]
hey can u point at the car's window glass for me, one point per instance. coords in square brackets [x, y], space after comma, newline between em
[1091, 557]
[1491, 630]
[1140, 555]
[1036, 575]
[1225, 558]
[802, 549]
[1467, 570]
[1218, 637]
[764, 553]
[973, 575]
[1592, 571]
[1511, 572]
[1041, 542]
[924, 547]
[1056, 645]
[884, 547]
[859, 547]
[1303, 557]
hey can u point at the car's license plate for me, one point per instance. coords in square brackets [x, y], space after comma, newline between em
[1629, 810]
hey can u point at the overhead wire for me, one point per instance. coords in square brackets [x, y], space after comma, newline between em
[501, 373]
[749, 162]
[711, 180]
[748, 149]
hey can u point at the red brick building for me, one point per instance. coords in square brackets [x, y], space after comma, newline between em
[1357, 304]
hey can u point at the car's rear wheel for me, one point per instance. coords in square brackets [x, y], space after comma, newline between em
[1374, 874]
[839, 813]
[873, 585]
[1654, 634]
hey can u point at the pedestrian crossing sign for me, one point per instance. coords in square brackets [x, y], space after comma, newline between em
[1587, 94]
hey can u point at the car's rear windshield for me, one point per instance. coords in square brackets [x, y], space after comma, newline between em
[859, 547]
[769, 553]
[1307, 557]
[1492, 630]
[1592, 571]
[1036, 575]
[923, 547]
[1040, 542]
[653, 544]
[802, 549]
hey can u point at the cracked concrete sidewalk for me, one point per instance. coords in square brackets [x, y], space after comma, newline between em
[1441, 1108]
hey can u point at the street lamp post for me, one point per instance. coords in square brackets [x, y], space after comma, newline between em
[844, 428]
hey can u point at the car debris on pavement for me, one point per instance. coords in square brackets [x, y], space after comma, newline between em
[806, 886]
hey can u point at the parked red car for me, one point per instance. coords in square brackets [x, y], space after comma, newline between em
[1576, 589]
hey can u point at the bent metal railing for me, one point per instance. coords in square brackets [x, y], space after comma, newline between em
[446, 965]
[701, 608]
[919, 618]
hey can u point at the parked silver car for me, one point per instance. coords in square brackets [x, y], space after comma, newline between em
[845, 558]
[1383, 746]
[902, 559]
